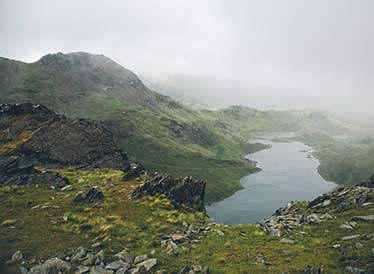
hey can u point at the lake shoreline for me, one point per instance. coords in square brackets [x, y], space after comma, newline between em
[246, 206]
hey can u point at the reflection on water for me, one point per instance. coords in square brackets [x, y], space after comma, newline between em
[287, 174]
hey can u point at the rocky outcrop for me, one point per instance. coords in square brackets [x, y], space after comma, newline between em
[93, 195]
[183, 192]
[32, 135]
[320, 209]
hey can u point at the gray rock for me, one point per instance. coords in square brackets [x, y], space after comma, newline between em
[99, 257]
[219, 232]
[117, 265]
[67, 188]
[326, 203]
[82, 269]
[89, 259]
[354, 270]
[78, 254]
[326, 216]
[100, 270]
[351, 237]
[197, 268]
[16, 257]
[126, 256]
[368, 218]
[51, 266]
[140, 258]
[138, 270]
[287, 241]
[346, 226]
[148, 264]
[121, 271]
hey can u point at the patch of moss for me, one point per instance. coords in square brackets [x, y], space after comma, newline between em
[13, 144]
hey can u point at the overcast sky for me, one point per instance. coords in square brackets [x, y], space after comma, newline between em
[312, 53]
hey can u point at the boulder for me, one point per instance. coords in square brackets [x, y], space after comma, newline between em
[16, 257]
[117, 265]
[51, 266]
[183, 192]
[100, 270]
[367, 219]
[148, 264]
[93, 195]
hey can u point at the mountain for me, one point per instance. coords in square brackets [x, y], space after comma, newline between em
[107, 215]
[156, 130]
[167, 136]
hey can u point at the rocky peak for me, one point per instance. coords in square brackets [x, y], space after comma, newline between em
[183, 192]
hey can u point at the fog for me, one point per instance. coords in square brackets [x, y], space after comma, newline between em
[261, 53]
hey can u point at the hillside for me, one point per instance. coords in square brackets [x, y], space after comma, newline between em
[157, 131]
[163, 134]
[105, 216]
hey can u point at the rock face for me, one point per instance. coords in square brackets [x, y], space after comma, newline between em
[32, 135]
[184, 192]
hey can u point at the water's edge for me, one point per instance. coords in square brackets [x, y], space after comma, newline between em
[288, 172]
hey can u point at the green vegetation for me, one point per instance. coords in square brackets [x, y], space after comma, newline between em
[13, 144]
[162, 134]
[43, 222]
[345, 161]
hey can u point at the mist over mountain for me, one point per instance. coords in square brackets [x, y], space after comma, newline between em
[214, 92]
[289, 54]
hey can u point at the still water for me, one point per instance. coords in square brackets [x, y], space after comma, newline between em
[288, 173]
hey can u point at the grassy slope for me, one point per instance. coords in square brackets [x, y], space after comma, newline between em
[346, 161]
[118, 222]
[141, 130]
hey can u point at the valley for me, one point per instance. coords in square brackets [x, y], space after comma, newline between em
[118, 177]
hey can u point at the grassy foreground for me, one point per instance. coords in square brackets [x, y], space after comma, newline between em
[43, 222]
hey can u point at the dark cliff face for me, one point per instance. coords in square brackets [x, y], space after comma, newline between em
[32, 135]
[183, 192]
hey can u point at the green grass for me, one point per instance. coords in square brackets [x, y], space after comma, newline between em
[117, 222]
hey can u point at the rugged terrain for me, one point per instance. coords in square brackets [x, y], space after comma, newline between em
[114, 217]
[167, 136]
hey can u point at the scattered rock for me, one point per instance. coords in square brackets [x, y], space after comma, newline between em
[16, 257]
[287, 241]
[368, 218]
[82, 269]
[140, 258]
[148, 264]
[354, 270]
[117, 265]
[78, 254]
[125, 256]
[346, 226]
[100, 270]
[219, 232]
[351, 237]
[93, 195]
[67, 188]
[54, 265]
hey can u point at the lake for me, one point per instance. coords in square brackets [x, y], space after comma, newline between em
[288, 173]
